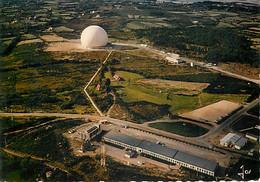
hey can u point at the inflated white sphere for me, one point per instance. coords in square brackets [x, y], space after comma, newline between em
[93, 37]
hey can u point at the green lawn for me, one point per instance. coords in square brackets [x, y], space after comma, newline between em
[138, 93]
[208, 98]
[180, 128]
[14, 176]
[63, 29]
[181, 103]
[134, 92]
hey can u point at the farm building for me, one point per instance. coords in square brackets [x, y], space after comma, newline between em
[174, 60]
[252, 136]
[162, 152]
[116, 77]
[94, 37]
[98, 86]
[233, 140]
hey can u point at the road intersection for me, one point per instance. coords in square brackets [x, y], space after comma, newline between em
[199, 142]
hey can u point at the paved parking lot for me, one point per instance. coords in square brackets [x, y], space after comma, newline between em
[136, 159]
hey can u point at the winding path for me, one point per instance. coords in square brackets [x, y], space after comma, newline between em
[201, 141]
[112, 107]
[93, 77]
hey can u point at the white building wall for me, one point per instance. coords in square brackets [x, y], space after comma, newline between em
[211, 173]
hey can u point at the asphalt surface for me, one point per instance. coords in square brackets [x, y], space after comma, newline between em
[233, 118]
[201, 141]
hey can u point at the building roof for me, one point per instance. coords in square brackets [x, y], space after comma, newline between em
[117, 77]
[123, 138]
[196, 161]
[252, 135]
[156, 148]
[93, 37]
[165, 151]
[241, 142]
[92, 129]
[231, 137]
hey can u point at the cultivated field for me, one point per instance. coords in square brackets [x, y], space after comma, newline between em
[29, 41]
[168, 84]
[53, 38]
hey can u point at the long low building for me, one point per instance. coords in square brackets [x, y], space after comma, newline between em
[162, 152]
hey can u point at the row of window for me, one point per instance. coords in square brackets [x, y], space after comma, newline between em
[163, 157]
[94, 133]
[177, 162]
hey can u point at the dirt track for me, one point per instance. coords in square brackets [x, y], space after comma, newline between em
[212, 112]
[168, 84]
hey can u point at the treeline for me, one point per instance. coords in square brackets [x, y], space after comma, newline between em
[5, 50]
[213, 44]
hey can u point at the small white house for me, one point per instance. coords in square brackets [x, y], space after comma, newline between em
[174, 59]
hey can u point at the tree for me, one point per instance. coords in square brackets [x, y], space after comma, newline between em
[107, 84]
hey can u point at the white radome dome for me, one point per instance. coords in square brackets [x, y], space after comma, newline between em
[93, 37]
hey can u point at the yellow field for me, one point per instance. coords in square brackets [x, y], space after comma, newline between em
[168, 84]
[255, 28]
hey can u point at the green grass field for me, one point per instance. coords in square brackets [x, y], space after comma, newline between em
[63, 29]
[15, 176]
[180, 128]
[131, 91]
[134, 92]
[208, 98]
[142, 24]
